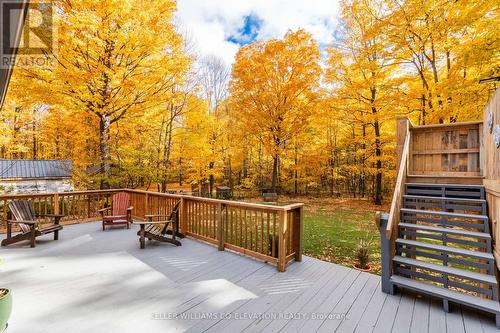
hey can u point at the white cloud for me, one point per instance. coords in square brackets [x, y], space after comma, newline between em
[210, 22]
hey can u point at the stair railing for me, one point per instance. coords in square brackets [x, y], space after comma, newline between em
[399, 190]
[388, 223]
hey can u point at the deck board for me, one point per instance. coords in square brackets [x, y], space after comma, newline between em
[298, 306]
[357, 309]
[420, 316]
[437, 317]
[283, 288]
[388, 313]
[95, 281]
[454, 320]
[342, 307]
[404, 314]
[372, 311]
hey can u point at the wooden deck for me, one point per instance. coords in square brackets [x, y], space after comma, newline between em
[95, 281]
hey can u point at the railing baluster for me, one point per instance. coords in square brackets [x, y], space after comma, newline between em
[274, 234]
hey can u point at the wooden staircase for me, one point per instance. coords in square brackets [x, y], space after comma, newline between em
[440, 237]
[443, 247]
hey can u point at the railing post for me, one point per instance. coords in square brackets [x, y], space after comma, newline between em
[56, 203]
[282, 241]
[146, 209]
[220, 228]
[386, 254]
[299, 228]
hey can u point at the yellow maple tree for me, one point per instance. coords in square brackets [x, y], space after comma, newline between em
[115, 58]
[273, 90]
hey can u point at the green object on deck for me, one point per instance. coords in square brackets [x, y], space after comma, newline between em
[5, 309]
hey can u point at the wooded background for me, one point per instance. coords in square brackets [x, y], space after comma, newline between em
[131, 104]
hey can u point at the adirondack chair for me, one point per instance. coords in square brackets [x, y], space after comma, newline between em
[159, 232]
[121, 212]
[24, 216]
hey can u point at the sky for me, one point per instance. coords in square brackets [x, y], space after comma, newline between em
[221, 27]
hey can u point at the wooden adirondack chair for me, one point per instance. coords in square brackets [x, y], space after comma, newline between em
[121, 212]
[24, 216]
[159, 232]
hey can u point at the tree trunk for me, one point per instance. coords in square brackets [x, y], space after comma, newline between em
[260, 182]
[296, 175]
[104, 135]
[377, 197]
[211, 179]
[35, 141]
[362, 180]
[378, 177]
[275, 173]
[167, 148]
[229, 173]
[180, 171]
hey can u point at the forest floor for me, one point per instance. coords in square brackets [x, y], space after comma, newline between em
[333, 228]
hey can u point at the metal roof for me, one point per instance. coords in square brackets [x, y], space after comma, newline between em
[35, 169]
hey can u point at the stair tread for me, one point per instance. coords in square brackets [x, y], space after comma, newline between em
[436, 212]
[444, 198]
[461, 232]
[449, 249]
[452, 295]
[446, 185]
[491, 279]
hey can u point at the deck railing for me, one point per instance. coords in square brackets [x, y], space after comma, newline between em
[446, 150]
[269, 233]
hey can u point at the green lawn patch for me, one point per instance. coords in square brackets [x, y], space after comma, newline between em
[333, 228]
[333, 234]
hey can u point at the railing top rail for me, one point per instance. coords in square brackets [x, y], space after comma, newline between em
[37, 195]
[220, 201]
[209, 200]
[435, 126]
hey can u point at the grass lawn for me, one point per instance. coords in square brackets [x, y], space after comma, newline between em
[333, 228]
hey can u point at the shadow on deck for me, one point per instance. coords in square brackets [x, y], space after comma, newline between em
[95, 281]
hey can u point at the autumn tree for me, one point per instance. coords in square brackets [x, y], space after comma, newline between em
[116, 58]
[450, 46]
[273, 90]
[128, 94]
[362, 68]
[213, 75]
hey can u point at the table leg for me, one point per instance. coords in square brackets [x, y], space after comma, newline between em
[141, 236]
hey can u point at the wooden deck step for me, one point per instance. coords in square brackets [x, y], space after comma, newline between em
[467, 186]
[446, 249]
[446, 219]
[446, 190]
[462, 273]
[451, 231]
[447, 294]
[464, 205]
[423, 197]
[483, 218]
